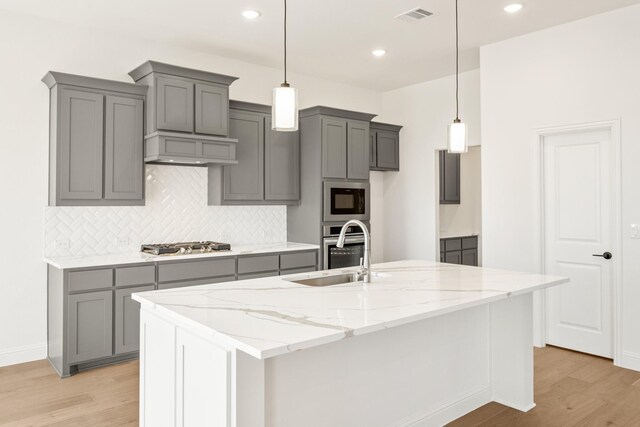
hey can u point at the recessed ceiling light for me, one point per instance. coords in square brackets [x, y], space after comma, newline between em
[513, 8]
[378, 52]
[251, 14]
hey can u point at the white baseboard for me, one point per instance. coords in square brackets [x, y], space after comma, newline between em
[27, 353]
[451, 411]
[629, 360]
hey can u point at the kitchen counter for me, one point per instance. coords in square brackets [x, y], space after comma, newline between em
[139, 257]
[423, 344]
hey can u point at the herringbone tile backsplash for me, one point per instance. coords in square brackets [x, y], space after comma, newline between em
[176, 210]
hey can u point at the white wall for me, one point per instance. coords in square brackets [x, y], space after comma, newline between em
[411, 199]
[465, 219]
[30, 47]
[581, 72]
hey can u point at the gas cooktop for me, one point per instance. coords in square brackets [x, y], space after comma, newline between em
[184, 248]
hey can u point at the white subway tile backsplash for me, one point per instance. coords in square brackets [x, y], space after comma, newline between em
[176, 210]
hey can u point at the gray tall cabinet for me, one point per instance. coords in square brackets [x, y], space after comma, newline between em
[268, 169]
[95, 141]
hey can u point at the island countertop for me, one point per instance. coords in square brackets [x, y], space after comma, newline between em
[271, 316]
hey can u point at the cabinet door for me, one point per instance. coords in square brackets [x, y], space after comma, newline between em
[372, 149]
[470, 257]
[123, 137]
[90, 332]
[388, 153]
[245, 181]
[174, 104]
[449, 178]
[357, 150]
[282, 165]
[453, 257]
[212, 109]
[81, 126]
[127, 321]
[334, 148]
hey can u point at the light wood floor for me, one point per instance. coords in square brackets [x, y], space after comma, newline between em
[572, 389]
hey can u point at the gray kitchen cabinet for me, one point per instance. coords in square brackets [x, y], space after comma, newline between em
[184, 100]
[174, 104]
[459, 250]
[81, 128]
[449, 178]
[127, 319]
[268, 169]
[245, 181]
[211, 109]
[384, 147]
[123, 163]
[281, 165]
[95, 141]
[258, 264]
[89, 326]
[357, 150]
[334, 148]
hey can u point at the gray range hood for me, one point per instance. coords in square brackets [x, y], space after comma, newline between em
[174, 148]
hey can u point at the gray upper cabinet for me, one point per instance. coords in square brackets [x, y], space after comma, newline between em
[282, 165]
[123, 163]
[89, 323]
[334, 148]
[81, 128]
[385, 147]
[212, 109]
[185, 100]
[268, 169]
[95, 141]
[357, 150]
[245, 181]
[449, 178]
[174, 105]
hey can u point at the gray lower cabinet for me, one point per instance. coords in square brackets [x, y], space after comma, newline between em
[449, 178]
[90, 319]
[268, 169]
[95, 141]
[384, 147]
[459, 250]
[127, 320]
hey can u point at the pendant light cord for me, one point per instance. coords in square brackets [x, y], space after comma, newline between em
[457, 55]
[285, 41]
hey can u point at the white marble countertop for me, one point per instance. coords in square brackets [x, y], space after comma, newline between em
[272, 316]
[139, 257]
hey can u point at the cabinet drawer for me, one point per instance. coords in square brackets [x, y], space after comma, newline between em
[297, 271]
[452, 245]
[186, 283]
[255, 264]
[90, 279]
[469, 242]
[196, 269]
[297, 260]
[218, 150]
[141, 275]
[257, 275]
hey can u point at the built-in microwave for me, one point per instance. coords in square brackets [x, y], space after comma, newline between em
[346, 200]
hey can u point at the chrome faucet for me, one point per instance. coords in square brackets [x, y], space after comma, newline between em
[365, 265]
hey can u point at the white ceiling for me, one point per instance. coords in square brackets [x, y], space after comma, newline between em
[330, 39]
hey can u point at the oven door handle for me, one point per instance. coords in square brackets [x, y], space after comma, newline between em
[352, 239]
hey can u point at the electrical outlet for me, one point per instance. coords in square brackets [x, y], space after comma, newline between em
[122, 242]
[63, 244]
[635, 231]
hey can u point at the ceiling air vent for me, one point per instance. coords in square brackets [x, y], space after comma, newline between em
[414, 15]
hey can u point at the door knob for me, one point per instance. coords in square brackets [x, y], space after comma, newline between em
[606, 255]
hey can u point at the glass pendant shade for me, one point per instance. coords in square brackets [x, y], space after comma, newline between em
[457, 137]
[284, 109]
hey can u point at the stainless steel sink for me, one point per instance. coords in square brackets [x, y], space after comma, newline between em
[336, 279]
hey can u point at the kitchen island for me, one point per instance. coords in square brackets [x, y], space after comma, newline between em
[422, 344]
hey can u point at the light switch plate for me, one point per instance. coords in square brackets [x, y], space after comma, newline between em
[635, 231]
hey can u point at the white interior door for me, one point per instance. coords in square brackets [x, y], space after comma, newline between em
[578, 224]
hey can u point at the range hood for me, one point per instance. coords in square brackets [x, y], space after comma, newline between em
[180, 149]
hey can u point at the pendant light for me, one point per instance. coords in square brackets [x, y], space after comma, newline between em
[457, 132]
[284, 107]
